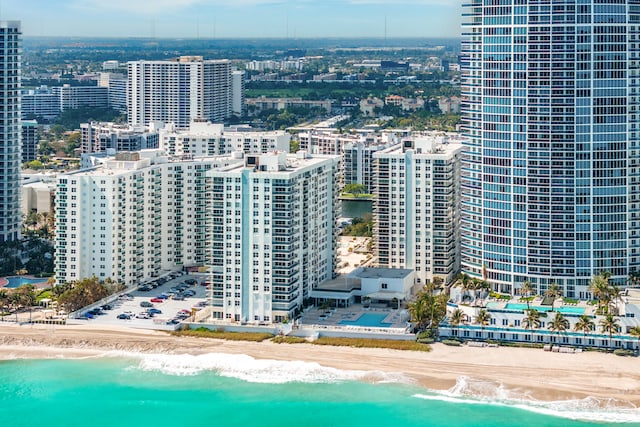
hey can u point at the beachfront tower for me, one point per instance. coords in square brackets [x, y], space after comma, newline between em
[179, 91]
[551, 186]
[10, 130]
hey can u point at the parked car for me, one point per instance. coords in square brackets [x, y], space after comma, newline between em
[189, 293]
[123, 316]
[147, 303]
[154, 311]
[107, 307]
[156, 300]
[88, 315]
[178, 297]
[191, 281]
[142, 315]
[145, 288]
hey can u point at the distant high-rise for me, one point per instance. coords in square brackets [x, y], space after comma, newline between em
[10, 131]
[237, 92]
[551, 187]
[29, 140]
[179, 91]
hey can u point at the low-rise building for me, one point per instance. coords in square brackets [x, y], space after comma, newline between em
[100, 137]
[204, 138]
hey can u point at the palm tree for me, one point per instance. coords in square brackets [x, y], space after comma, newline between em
[614, 290]
[483, 318]
[609, 324]
[478, 287]
[553, 292]
[599, 288]
[419, 312]
[4, 299]
[584, 325]
[532, 319]
[635, 332]
[464, 280]
[634, 279]
[559, 323]
[526, 290]
[456, 318]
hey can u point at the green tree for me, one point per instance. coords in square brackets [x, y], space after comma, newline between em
[355, 189]
[526, 290]
[456, 318]
[553, 292]
[635, 332]
[559, 323]
[609, 324]
[531, 319]
[584, 325]
[600, 289]
[483, 318]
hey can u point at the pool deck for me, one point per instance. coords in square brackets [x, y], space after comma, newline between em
[333, 316]
[496, 304]
[4, 281]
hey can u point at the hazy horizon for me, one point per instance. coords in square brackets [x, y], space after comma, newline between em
[220, 19]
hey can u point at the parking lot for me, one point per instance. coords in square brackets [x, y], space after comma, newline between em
[167, 299]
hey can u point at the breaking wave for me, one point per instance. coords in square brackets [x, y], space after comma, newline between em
[249, 369]
[470, 391]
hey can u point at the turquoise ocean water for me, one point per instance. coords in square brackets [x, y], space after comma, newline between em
[231, 390]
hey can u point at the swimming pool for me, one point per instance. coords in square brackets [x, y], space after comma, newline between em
[16, 281]
[564, 309]
[368, 320]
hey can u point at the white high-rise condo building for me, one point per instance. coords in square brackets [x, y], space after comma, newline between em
[551, 100]
[273, 234]
[417, 207]
[179, 91]
[133, 217]
[11, 130]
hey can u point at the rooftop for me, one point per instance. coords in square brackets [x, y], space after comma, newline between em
[380, 273]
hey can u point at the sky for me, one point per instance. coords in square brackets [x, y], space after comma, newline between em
[235, 18]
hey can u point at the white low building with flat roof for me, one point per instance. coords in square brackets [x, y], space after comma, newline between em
[204, 138]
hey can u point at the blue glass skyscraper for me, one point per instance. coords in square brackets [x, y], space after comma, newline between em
[551, 184]
[10, 131]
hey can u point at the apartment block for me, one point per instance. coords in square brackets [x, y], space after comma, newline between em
[134, 216]
[273, 234]
[10, 132]
[204, 138]
[102, 137]
[417, 207]
[179, 91]
[30, 140]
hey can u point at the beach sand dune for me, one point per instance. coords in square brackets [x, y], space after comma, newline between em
[530, 373]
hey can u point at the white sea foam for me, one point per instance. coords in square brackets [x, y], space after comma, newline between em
[247, 368]
[477, 392]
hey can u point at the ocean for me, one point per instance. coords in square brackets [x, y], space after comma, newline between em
[126, 389]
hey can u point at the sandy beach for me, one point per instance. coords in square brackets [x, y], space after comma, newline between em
[523, 372]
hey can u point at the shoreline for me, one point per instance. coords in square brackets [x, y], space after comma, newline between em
[522, 372]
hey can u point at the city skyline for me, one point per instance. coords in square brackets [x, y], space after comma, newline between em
[238, 19]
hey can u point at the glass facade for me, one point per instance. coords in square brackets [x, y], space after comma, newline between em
[10, 130]
[550, 107]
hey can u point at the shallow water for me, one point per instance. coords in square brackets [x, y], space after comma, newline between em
[230, 390]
